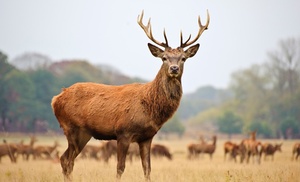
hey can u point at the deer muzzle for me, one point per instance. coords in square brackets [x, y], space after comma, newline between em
[174, 70]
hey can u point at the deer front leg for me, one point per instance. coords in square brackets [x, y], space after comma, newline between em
[123, 146]
[145, 157]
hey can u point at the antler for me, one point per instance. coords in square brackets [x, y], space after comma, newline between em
[201, 30]
[148, 30]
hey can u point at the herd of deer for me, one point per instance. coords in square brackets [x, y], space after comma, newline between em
[246, 149]
[103, 151]
[13, 150]
[253, 148]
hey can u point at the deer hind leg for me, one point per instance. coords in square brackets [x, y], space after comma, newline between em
[77, 139]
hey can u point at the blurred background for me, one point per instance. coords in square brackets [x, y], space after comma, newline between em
[245, 77]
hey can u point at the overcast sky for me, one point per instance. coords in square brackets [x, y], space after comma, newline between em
[106, 32]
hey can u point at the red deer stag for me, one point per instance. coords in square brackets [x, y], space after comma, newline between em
[127, 113]
[232, 149]
[269, 149]
[296, 151]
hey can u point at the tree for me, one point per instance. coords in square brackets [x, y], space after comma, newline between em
[229, 123]
[19, 94]
[5, 68]
[251, 92]
[284, 67]
[289, 127]
[45, 89]
[262, 128]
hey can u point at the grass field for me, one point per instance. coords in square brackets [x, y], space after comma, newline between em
[282, 169]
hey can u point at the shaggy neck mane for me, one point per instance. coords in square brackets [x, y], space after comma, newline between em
[162, 97]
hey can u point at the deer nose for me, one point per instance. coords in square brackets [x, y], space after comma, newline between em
[174, 69]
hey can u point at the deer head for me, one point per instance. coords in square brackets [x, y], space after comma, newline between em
[173, 58]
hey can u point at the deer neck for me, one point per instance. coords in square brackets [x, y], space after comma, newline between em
[163, 97]
[214, 141]
[170, 87]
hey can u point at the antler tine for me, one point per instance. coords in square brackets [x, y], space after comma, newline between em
[201, 30]
[165, 36]
[181, 39]
[148, 30]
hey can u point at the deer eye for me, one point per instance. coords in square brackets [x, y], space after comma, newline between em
[164, 58]
[183, 59]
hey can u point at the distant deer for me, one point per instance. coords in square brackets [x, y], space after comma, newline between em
[91, 151]
[46, 151]
[296, 151]
[158, 150]
[202, 140]
[110, 148]
[27, 150]
[195, 149]
[127, 113]
[250, 147]
[232, 149]
[9, 150]
[210, 148]
[269, 149]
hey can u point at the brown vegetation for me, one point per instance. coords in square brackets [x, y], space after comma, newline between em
[127, 113]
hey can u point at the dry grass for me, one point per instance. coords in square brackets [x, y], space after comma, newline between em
[163, 170]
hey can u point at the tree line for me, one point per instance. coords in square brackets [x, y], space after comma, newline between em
[266, 97]
[26, 93]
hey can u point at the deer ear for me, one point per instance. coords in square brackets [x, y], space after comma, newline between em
[191, 51]
[157, 52]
